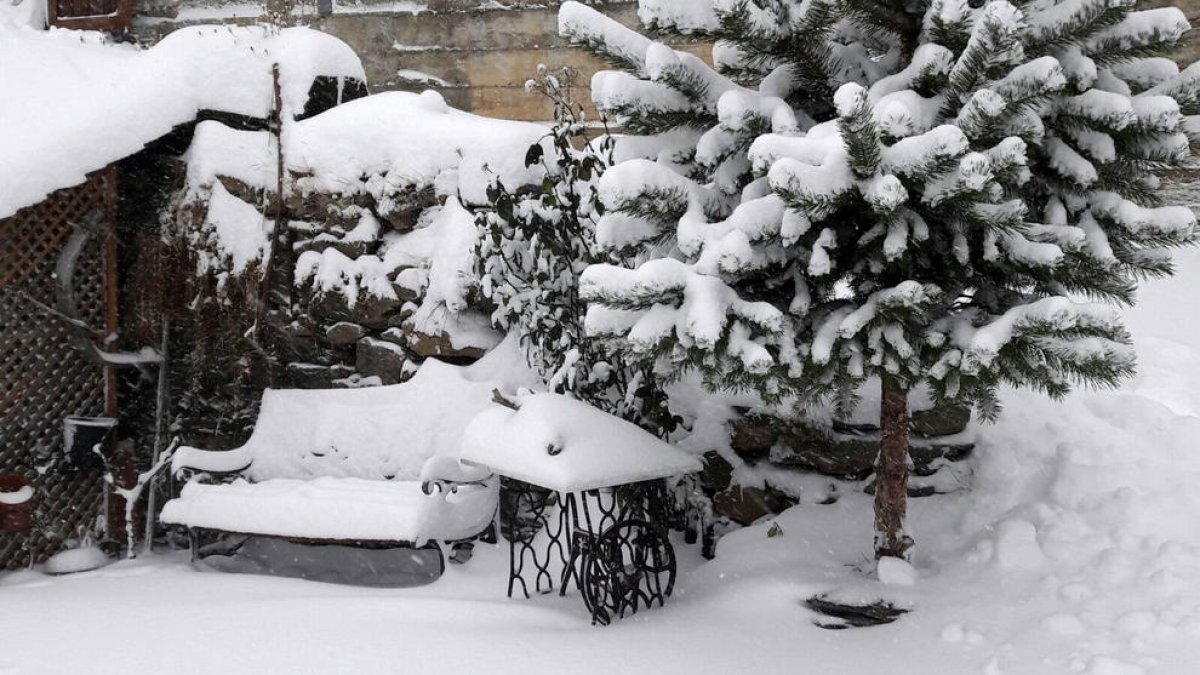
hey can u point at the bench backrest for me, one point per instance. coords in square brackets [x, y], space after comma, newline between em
[378, 433]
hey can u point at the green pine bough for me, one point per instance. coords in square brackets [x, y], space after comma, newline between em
[950, 193]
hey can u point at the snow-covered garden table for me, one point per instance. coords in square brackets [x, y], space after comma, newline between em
[605, 474]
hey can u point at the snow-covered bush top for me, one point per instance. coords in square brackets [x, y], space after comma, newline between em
[74, 103]
[387, 146]
[905, 190]
[534, 243]
[377, 145]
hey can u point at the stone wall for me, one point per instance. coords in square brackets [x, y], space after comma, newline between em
[477, 54]
[1190, 52]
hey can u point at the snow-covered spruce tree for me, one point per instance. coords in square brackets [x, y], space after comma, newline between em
[533, 245]
[915, 192]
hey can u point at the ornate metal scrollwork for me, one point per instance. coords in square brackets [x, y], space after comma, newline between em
[612, 542]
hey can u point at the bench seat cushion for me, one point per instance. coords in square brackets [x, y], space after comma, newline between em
[342, 509]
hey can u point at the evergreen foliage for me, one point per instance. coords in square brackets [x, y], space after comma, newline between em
[534, 244]
[932, 191]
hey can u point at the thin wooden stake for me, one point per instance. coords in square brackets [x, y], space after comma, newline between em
[275, 124]
[161, 404]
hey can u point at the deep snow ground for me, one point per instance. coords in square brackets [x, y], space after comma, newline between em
[1077, 551]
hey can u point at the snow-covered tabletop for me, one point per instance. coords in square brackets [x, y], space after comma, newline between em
[335, 508]
[565, 445]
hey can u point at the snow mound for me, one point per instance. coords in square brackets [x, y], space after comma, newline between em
[373, 433]
[76, 560]
[377, 145]
[566, 445]
[334, 508]
[49, 140]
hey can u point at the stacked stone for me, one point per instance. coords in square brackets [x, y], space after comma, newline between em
[842, 451]
[328, 338]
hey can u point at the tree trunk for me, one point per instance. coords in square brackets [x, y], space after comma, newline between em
[891, 475]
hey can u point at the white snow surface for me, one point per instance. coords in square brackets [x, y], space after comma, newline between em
[566, 445]
[378, 144]
[348, 463]
[49, 140]
[18, 496]
[373, 433]
[73, 560]
[336, 508]
[1075, 552]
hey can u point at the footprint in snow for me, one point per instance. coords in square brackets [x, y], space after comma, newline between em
[957, 633]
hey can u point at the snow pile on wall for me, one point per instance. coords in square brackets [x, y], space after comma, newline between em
[74, 103]
[381, 146]
[376, 191]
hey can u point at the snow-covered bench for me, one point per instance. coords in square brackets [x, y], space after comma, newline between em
[365, 467]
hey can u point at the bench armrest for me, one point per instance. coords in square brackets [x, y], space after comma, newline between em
[443, 473]
[436, 485]
[195, 460]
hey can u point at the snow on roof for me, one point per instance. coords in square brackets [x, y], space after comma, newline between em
[379, 144]
[566, 445]
[74, 103]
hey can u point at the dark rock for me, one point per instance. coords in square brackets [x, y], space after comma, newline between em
[373, 311]
[313, 375]
[927, 456]
[381, 359]
[242, 190]
[326, 207]
[852, 457]
[331, 307]
[357, 381]
[946, 420]
[317, 245]
[854, 428]
[837, 615]
[753, 436]
[400, 319]
[327, 308]
[746, 505]
[344, 333]
[296, 342]
[405, 293]
[395, 336]
[402, 211]
[848, 457]
[351, 248]
[300, 349]
[441, 346]
[717, 474]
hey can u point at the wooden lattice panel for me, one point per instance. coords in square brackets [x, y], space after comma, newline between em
[42, 378]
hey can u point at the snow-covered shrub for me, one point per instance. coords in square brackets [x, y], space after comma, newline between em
[533, 245]
[914, 192]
